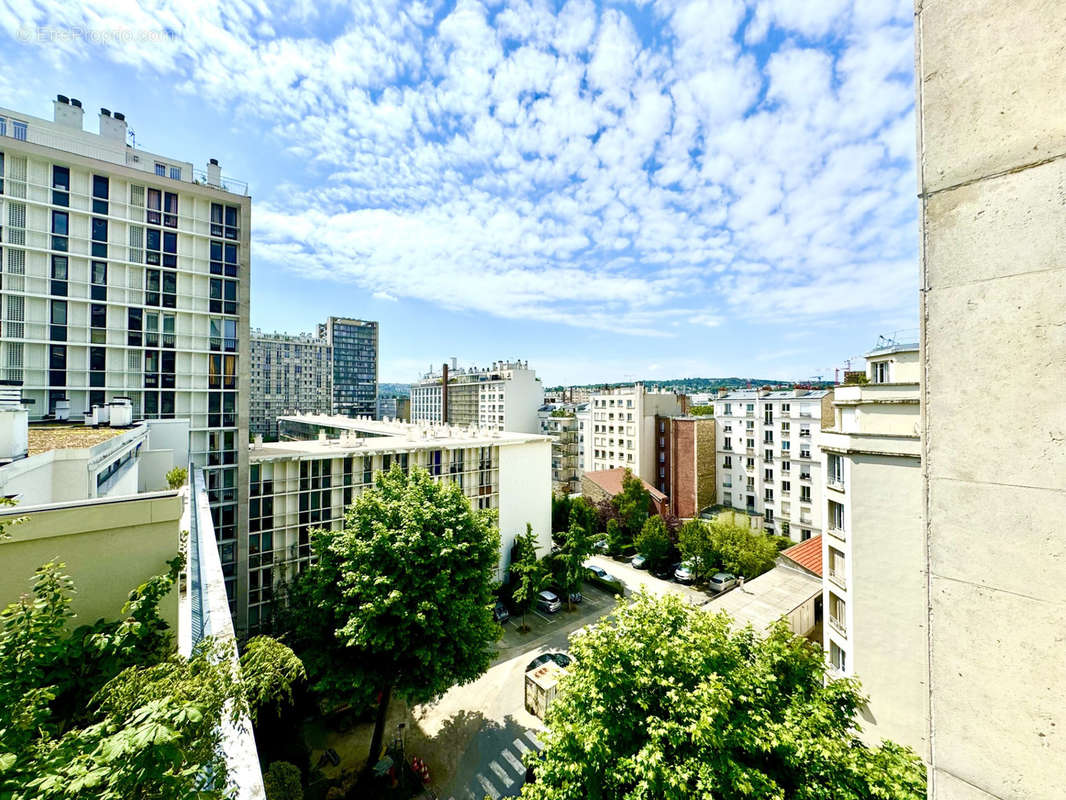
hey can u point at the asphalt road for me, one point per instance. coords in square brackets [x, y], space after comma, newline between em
[636, 579]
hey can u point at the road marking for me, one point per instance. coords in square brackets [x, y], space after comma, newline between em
[516, 765]
[489, 787]
[503, 776]
[469, 795]
[533, 738]
[521, 747]
[541, 615]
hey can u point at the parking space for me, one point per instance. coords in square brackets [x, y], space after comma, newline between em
[595, 604]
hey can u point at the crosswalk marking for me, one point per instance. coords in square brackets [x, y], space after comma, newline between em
[533, 738]
[489, 787]
[503, 776]
[514, 762]
[521, 747]
[469, 795]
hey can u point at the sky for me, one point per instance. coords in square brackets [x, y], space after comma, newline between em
[610, 191]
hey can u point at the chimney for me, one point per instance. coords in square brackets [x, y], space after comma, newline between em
[444, 393]
[113, 127]
[455, 363]
[763, 391]
[14, 422]
[722, 392]
[67, 112]
[214, 173]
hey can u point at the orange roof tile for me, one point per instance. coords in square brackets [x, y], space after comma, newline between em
[807, 554]
[610, 480]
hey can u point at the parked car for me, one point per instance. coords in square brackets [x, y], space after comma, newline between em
[665, 573]
[721, 581]
[639, 561]
[576, 597]
[684, 572]
[500, 612]
[600, 573]
[600, 546]
[548, 601]
[562, 659]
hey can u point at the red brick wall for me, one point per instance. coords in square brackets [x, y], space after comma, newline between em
[683, 468]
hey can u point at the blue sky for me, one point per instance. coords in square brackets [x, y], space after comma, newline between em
[713, 187]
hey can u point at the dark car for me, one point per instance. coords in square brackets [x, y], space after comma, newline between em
[665, 573]
[548, 601]
[562, 659]
[500, 613]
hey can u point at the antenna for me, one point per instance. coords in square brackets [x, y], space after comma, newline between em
[133, 136]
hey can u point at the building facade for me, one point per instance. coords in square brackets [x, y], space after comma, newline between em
[394, 408]
[126, 274]
[768, 465]
[503, 397]
[559, 421]
[993, 278]
[622, 429]
[302, 483]
[872, 549]
[354, 346]
[288, 374]
[685, 455]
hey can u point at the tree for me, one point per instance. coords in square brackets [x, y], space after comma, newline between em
[668, 701]
[653, 541]
[632, 503]
[408, 586]
[701, 411]
[282, 782]
[587, 515]
[560, 512]
[529, 574]
[616, 538]
[697, 547]
[108, 711]
[576, 549]
[743, 551]
[177, 477]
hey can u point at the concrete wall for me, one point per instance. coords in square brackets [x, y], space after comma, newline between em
[525, 496]
[992, 175]
[109, 547]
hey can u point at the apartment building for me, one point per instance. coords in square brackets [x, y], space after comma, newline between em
[354, 347]
[993, 277]
[395, 408]
[769, 466]
[503, 397]
[873, 551]
[622, 429]
[308, 479]
[685, 455]
[288, 374]
[126, 274]
[559, 421]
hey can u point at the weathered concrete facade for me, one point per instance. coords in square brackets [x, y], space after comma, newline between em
[992, 168]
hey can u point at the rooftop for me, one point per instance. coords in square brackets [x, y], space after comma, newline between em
[57, 436]
[807, 554]
[762, 601]
[888, 349]
[610, 480]
[778, 394]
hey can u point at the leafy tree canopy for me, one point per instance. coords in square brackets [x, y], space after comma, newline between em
[667, 701]
[724, 545]
[633, 503]
[401, 599]
[108, 711]
[653, 540]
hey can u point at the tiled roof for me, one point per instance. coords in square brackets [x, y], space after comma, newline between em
[610, 480]
[807, 554]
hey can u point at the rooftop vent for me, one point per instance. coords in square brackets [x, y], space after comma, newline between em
[105, 112]
[62, 98]
[67, 112]
[75, 102]
[120, 116]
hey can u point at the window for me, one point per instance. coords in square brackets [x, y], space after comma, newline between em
[879, 372]
[836, 471]
[59, 275]
[837, 613]
[155, 204]
[175, 173]
[768, 437]
[768, 455]
[836, 516]
[170, 209]
[838, 657]
[59, 320]
[786, 466]
[98, 319]
[805, 494]
[60, 186]
[836, 566]
[98, 275]
[751, 444]
[60, 230]
[134, 323]
[768, 475]
[161, 169]
[768, 495]
[18, 130]
[727, 462]
[786, 487]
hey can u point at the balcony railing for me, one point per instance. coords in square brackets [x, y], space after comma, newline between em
[205, 612]
[837, 533]
[835, 483]
[838, 579]
[838, 626]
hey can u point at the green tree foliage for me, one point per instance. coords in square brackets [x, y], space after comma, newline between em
[616, 537]
[575, 550]
[282, 782]
[560, 512]
[588, 516]
[633, 503]
[697, 547]
[529, 574]
[109, 711]
[743, 551]
[177, 477]
[667, 701]
[702, 411]
[406, 590]
[653, 540]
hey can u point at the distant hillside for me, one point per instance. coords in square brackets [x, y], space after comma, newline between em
[694, 385]
[394, 390]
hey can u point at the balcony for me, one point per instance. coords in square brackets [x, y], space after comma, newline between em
[835, 483]
[837, 533]
[838, 626]
[837, 577]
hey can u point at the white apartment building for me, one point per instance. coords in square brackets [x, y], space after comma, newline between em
[503, 397]
[288, 374]
[308, 479]
[872, 551]
[769, 465]
[621, 429]
[126, 274]
[560, 422]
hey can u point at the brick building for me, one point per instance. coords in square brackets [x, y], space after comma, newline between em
[685, 463]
